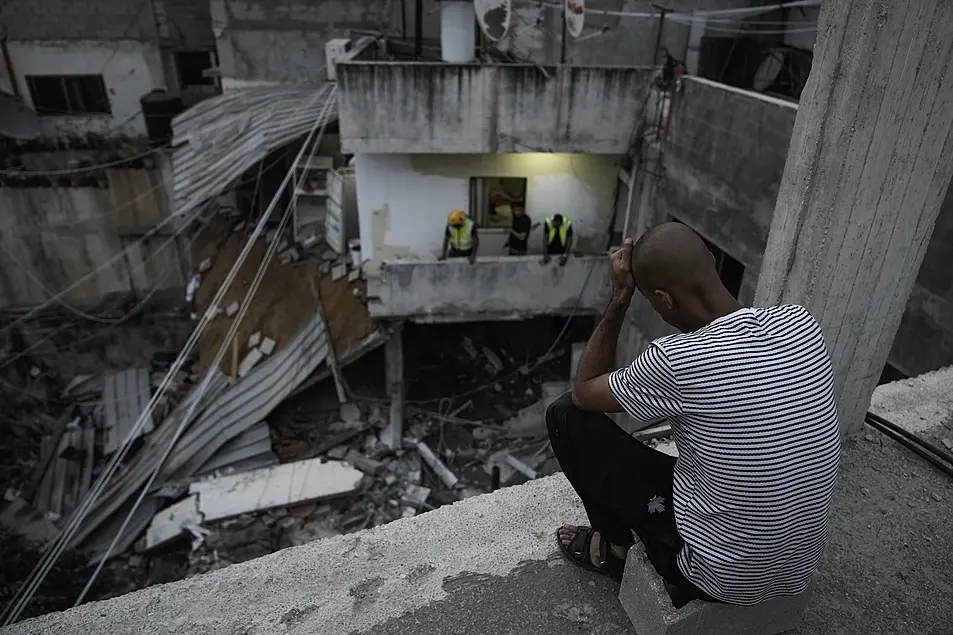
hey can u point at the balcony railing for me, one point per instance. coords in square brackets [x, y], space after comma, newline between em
[493, 288]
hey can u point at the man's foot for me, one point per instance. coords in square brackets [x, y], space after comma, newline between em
[586, 548]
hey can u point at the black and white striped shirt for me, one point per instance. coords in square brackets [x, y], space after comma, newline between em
[750, 398]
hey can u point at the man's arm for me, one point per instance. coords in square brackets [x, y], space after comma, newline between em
[476, 245]
[590, 390]
[567, 248]
[446, 243]
[545, 242]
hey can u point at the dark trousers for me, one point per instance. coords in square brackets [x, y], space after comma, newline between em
[624, 485]
[460, 253]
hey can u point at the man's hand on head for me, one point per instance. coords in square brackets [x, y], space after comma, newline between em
[623, 283]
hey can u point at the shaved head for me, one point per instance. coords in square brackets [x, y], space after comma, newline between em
[675, 271]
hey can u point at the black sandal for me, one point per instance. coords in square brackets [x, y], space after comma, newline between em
[578, 550]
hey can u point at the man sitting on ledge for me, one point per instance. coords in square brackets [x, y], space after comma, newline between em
[741, 516]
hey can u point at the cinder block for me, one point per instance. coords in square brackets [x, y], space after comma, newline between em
[251, 359]
[232, 309]
[338, 271]
[254, 339]
[649, 607]
[267, 346]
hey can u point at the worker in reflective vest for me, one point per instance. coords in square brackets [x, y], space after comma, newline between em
[460, 240]
[557, 238]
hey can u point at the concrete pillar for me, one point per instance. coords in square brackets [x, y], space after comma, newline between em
[867, 169]
[394, 374]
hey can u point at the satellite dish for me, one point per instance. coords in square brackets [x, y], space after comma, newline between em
[17, 120]
[575, 16]
[493, 17]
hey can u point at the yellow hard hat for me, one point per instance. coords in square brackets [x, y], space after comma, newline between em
[456, 217]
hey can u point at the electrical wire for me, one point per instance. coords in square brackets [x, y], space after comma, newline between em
[745, 11]
[78, 312]
[134, 311]
[80, 170]
[226, 342]
[55, 548]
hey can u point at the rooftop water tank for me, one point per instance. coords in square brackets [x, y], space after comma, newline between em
[457, 32]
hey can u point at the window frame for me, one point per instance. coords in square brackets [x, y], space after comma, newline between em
[72, 91]
[206, 80]
[479, 199]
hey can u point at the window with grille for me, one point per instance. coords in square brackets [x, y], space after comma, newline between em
[69, 94]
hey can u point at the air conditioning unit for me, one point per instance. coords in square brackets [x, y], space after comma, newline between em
[335, 51]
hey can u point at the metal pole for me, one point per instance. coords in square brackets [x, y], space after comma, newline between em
[419, 29]
[562, 46]
[661, 27]
[403, 19]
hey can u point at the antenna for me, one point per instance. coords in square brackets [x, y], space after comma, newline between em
[575, 16]
[493, 17]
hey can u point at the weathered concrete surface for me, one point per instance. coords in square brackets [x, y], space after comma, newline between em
[78, 20]
[50, 237]
[395, 107]
[489, 564]
[723, 166]
[283, 42]
[493, 288]
[870, 161]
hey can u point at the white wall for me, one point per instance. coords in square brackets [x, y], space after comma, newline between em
[403, 200]
[130, 69]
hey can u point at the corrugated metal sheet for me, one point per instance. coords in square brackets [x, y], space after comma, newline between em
[219, 138]
[125, 395]
[252, 447]
[226, 411]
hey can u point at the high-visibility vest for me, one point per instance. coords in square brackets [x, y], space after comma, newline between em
[461, 237]
[563, 230]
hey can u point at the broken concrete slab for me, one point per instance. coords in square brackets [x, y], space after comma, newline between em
[171, 522]
[338, 271]
[17, 515]
[415, 496]
[442, 471]
[267, 346]
[205, 265]
[231, 309]
[254, 339]
[354, 275]
[250, 360]
[365, 464]
[278, 486]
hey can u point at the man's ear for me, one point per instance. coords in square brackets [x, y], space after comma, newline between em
[664, 299]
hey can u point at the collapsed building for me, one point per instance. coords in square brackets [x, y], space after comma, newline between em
[280, 446]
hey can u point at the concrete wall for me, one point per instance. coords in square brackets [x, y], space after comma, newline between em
[283, 42]
[722, 169]
[78, 20]
[130, 69]
[403, 200]
[723, 163]
[495, 288]
[393, 107]
[50, 237]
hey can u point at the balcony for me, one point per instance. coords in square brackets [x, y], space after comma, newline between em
[437, 107]
[493, 288]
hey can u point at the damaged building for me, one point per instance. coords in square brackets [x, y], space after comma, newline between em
[344, 376]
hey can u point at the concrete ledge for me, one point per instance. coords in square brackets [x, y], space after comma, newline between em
[497, 288]
[355, 583]
[647, 603]
[918, 403]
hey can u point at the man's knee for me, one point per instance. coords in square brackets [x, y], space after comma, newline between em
[559, 413]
